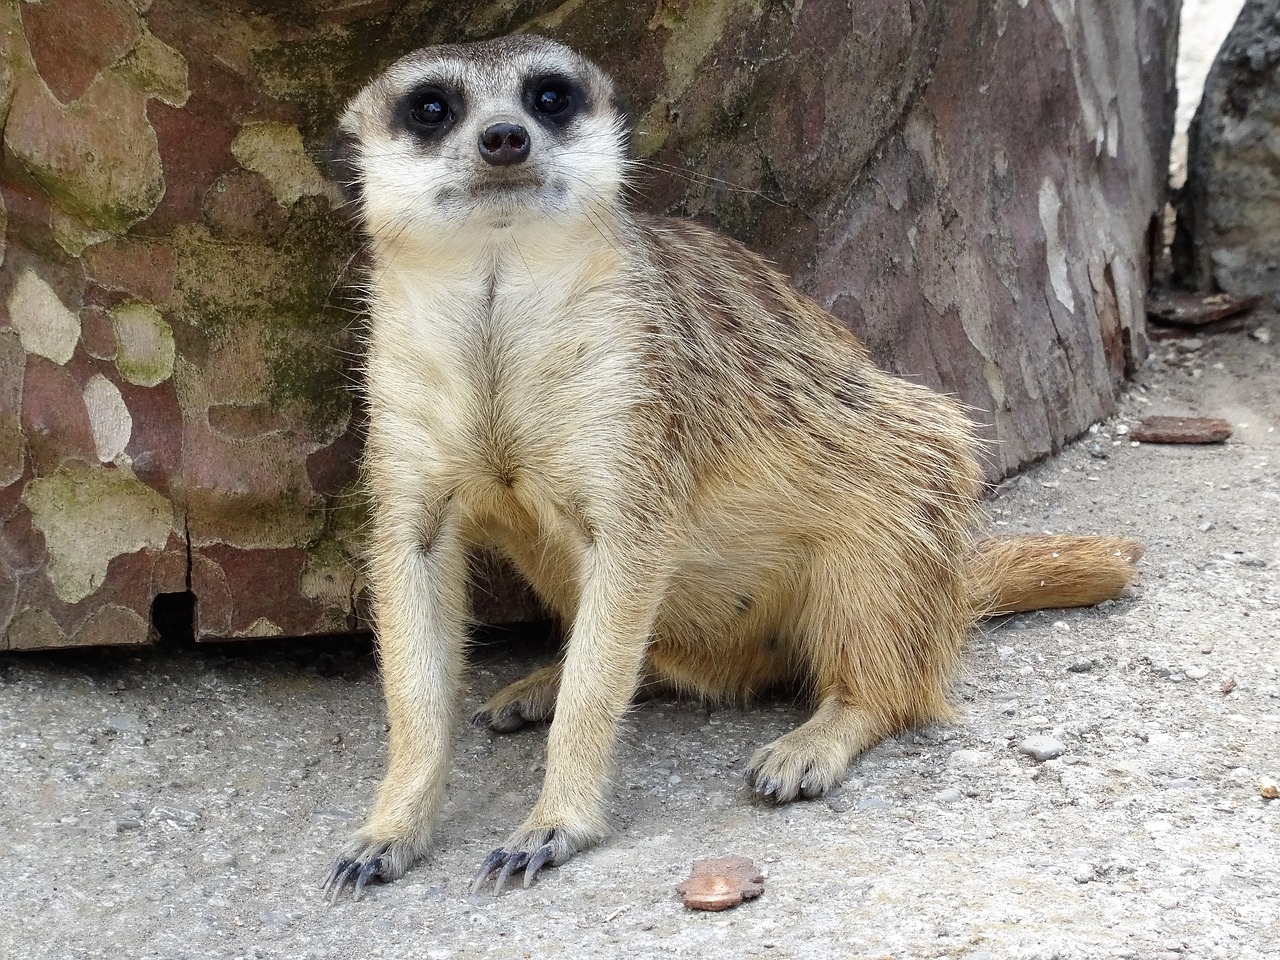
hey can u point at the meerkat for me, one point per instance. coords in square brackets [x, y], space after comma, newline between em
[694, 465]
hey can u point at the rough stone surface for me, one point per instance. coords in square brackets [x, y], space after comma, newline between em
[174, 272]
[1229, 209]
[186, 804]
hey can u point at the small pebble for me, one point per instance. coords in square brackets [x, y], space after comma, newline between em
[1041, 748]
[1080, 666]
[874, 803]
[949, 795]
[1084, 873]
[1196, 673]
[839, 802]
[123, 724]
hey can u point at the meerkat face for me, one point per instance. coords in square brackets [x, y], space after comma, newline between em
[498, 133]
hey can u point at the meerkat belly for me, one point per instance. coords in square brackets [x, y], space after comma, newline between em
[725, 629]
[502, 376]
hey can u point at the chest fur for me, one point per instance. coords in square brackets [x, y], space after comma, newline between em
[504, 364]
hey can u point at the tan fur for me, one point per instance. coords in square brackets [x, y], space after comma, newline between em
[1032, 573]
[693, 464]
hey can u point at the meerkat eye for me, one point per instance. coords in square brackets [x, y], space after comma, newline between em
[551, 97]
[430, 109]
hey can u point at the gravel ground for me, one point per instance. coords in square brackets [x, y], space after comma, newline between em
[186, 803]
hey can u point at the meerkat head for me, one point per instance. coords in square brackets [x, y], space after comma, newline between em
[495, 133]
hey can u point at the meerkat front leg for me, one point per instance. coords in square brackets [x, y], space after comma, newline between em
[418, 572]
[602, 668]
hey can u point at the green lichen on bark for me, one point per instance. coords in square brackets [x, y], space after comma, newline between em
[144, 343]
[289, 299]
[90, 514]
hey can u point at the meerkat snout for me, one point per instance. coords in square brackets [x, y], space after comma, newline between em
[504, 144]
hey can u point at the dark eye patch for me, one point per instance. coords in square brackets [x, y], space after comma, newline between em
[429, 110]
[554, 99]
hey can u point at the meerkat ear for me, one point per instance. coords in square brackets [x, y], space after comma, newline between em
[338, 163]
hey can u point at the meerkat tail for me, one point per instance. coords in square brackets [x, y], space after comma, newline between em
[1046, 571]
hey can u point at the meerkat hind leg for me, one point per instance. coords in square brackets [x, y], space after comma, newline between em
[529, 700]
[877, 660]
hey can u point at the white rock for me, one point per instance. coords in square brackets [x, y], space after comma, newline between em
[1041, 748]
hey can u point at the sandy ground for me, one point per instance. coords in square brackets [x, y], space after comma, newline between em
[185, 804]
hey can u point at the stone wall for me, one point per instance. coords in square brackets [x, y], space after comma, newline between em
[968, 185]
[1229, 210]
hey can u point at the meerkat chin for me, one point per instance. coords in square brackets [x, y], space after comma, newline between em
[695, 466]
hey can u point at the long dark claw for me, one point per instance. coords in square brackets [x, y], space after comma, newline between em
[338, 866]
[349, 870]
[490, 864]
[513, 863]
[368, 871]
[539, 860]
[810, 789]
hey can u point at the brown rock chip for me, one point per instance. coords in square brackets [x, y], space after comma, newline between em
[1181, 430]
[1177, 309]
[718, 883]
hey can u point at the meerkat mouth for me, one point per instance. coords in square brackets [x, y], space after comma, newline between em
[524, 185]
[534, 190]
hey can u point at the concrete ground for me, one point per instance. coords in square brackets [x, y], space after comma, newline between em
[186, 803]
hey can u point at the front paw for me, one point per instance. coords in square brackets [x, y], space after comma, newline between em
[531, 849]
[367, 857]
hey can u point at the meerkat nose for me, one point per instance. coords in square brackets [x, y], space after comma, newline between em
[504, 144]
